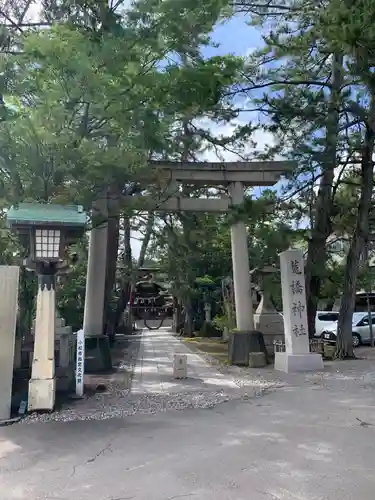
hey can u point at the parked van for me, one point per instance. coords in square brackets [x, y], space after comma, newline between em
[323, 319]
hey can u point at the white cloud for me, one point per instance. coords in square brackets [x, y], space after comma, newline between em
[258, 142]
[34, 11]
[250, 51]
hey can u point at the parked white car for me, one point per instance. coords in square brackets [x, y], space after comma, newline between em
[324, 319]
[360, 329]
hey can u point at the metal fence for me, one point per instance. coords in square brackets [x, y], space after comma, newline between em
[316, 345]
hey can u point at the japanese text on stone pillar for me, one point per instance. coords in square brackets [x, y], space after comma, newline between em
[298, 302]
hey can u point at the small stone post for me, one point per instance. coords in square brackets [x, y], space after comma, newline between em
[207, 312]
[180, 366]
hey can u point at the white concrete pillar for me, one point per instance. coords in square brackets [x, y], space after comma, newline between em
[96, 272]
[42, 385]
[241, 269]
[9, 277]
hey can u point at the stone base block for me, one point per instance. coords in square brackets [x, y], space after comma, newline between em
[42, 394]
[64, 379]
[97, 354]
[257, 360]
[293, 363]
[239, 348]
[62, 384]
[329, 351]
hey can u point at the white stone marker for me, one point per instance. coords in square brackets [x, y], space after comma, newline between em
[180, 366]
[297, 356]
[80, 363]
[42, 385]
[9, 277]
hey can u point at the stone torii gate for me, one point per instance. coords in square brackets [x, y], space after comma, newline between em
[234, 177]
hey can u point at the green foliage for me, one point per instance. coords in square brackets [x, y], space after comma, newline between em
[91, 98]
[205, 283]
[222, 321]
[94, 103]
[72, 287]
[28, 289]
[209, 329]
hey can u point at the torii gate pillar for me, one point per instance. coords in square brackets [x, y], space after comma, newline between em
[241, 268]
[93, 318]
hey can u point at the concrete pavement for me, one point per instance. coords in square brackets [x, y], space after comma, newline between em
[313, 439]
[293, 444]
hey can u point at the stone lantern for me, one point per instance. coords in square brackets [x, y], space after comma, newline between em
[266, 318]
[46, 230]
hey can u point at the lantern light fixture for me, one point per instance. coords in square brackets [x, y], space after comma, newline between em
[47, 244]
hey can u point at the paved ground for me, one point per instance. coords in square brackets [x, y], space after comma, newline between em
[312, 439]
[153, 370]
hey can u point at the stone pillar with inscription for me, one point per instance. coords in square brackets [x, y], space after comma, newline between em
[297, 356]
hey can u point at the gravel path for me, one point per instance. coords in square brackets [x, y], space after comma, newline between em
[100, 405]
[143, 384]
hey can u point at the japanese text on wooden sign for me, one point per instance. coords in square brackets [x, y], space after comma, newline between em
[80, 363]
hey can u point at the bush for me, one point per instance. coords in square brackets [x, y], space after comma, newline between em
[209, 330]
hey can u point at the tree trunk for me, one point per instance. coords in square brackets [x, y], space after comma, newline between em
[344, 344]
[177, 316]
[316, 253]
[174, 277]
[189, 318]
[146, 239]
[113, 235]
[127, 279]
[110, 280]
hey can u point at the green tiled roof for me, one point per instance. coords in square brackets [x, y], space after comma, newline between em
[46, 213]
